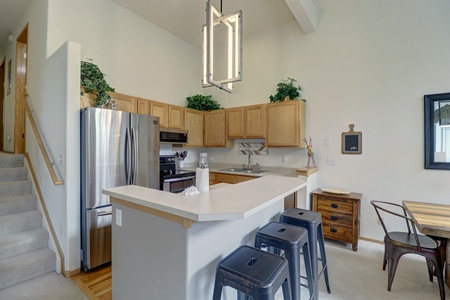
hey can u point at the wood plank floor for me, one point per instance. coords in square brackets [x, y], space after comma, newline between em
[96, 284]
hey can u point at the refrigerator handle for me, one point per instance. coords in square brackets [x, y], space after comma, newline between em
[134, 155]
[128, 166]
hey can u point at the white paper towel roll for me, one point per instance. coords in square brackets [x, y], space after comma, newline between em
[202, 179]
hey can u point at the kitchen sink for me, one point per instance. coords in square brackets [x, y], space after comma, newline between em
[239, 170]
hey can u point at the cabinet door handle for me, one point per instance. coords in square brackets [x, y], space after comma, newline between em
[333, 218]
[334, 205]
[333, 229]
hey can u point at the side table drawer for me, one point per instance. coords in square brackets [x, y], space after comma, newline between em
[337, 233]
[331, 204]
[337, 218]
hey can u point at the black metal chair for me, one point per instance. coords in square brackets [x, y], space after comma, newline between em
[398, 243]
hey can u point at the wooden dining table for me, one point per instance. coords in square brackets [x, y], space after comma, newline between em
[433, 220]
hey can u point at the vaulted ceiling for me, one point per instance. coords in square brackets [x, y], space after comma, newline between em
[184, 18]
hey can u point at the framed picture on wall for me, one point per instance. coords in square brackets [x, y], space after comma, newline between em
[8, 78]
[352, 141]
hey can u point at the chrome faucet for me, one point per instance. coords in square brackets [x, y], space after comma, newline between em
[249, 163]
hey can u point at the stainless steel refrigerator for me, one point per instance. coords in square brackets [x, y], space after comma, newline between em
[117, 148]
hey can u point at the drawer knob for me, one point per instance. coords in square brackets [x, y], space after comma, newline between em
[334, 205]
[333, 229]
[333, 218]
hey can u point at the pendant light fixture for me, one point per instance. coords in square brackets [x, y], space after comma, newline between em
[232, 23]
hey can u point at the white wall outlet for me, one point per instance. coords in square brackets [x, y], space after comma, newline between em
[285, 159]
[61, 159]
[118, 217]
[331, 161]
[327, 142]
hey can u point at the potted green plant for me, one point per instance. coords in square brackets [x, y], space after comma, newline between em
[93, 82]
[202, 102]
[286, 90]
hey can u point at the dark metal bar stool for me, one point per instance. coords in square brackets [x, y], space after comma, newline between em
[291, 239]
[253, 272]
[311, 221]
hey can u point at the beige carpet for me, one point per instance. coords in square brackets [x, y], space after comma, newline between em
[353, 276]
[51, 286]
[358, 275]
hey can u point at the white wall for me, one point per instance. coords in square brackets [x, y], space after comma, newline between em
[369, 63]
[137, 57]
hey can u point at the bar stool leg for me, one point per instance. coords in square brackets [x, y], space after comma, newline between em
[294, 271]
[312, 236]
[286, 287]
[323, 257]
[217, 293]
[309, 272]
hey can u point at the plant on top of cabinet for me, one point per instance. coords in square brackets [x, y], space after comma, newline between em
[93, 81]
[286, 89]
[203, 103]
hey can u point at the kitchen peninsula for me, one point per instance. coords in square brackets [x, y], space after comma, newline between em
[167, 246]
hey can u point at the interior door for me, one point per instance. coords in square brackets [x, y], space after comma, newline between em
[20, 93]
[2, 94]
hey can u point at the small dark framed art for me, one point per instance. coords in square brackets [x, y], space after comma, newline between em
[352, 141]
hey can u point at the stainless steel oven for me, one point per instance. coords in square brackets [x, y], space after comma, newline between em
[171, 179]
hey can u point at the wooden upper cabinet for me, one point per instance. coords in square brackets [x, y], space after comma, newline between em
[286, 124]
[176, 117]
[124, 102]
[246, 122]
[144, 106]
[193, 123]
[214, 129]
[255, 121]
[160, 110]
[235, 122]
[170, 116]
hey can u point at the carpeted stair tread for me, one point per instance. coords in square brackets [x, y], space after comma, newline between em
[20, 222]
[14, 188]
[23, 242]
[17, 204]
[11, 161]
[13, 174]
[26, 266]
[24, 252]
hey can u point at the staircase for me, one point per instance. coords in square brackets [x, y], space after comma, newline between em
[24, 252]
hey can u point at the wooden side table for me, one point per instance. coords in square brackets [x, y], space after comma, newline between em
[340, 215]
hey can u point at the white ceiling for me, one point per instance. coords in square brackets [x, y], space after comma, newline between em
[183, 18]
[10, 13]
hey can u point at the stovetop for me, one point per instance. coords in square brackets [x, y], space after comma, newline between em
[167, 168]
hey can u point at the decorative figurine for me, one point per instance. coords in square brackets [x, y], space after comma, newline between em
[311, 162]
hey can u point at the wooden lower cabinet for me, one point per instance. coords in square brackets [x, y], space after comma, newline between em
[340, 215]
[215, 178]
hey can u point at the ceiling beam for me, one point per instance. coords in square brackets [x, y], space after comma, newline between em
[305, 13]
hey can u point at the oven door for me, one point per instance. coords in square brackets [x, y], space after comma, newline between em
[177, 185]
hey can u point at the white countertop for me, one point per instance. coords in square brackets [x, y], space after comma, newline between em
[229, 202]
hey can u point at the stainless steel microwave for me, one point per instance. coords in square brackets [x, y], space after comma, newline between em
[173, 136]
